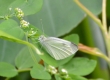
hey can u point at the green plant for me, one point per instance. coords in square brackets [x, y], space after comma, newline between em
[20, 48]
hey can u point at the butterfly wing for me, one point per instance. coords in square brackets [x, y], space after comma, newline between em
[59, 48]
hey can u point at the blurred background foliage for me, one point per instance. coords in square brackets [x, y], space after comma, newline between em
[61, 18]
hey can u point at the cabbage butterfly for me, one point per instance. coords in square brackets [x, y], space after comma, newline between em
[58, 48]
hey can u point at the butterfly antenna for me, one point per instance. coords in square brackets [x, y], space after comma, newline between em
[42, 26]
[42, 31]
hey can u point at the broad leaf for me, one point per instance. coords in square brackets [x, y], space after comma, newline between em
[14, 39]
[11, 27]
[74, 38]
[7, 70]
[60, 17]
[24, 58]
[76, 77]
[4, 6]
[28, 6]
[58, 77]
[9, 50]
[80, 66]
[39, 73]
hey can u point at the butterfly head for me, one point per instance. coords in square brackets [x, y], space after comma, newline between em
[42, 38]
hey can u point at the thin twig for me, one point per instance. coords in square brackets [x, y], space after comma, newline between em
[104, 22]
[7, 78]
[24, 70]
[32, 54]
[89, 13]
[93, 51]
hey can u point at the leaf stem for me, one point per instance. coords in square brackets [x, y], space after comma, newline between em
[23, 70]
[31, 53]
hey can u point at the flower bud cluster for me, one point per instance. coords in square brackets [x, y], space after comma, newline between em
[24, 24]
[19, 13]
[64, 74]
[52, 69]
[32, 32]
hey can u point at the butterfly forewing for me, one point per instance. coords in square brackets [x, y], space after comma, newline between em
[54, 51]
[58, 48]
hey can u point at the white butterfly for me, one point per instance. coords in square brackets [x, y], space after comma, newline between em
[58, 48]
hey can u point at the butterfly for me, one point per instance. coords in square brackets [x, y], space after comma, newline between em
[58, 48]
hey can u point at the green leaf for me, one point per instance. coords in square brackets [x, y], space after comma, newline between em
[51, 61]
[73, 38]
[76, 77]
[24, 59]
[39, 73]
[57, 77]
[8, 48]
[7, 70]
[48, 59]
[28, 6]
[80, 66]
[60, 17]
[63, 61]
[11, 27]
[96, 8]
[14, 39]
[4, 6]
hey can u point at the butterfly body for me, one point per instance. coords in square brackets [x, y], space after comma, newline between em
[58, 48]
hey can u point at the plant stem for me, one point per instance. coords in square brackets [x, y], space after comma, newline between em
[31, 53]
[7, 78]
[107, 39]
[93, 51]
[89, 13]
[104, 22]
[23, 70]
